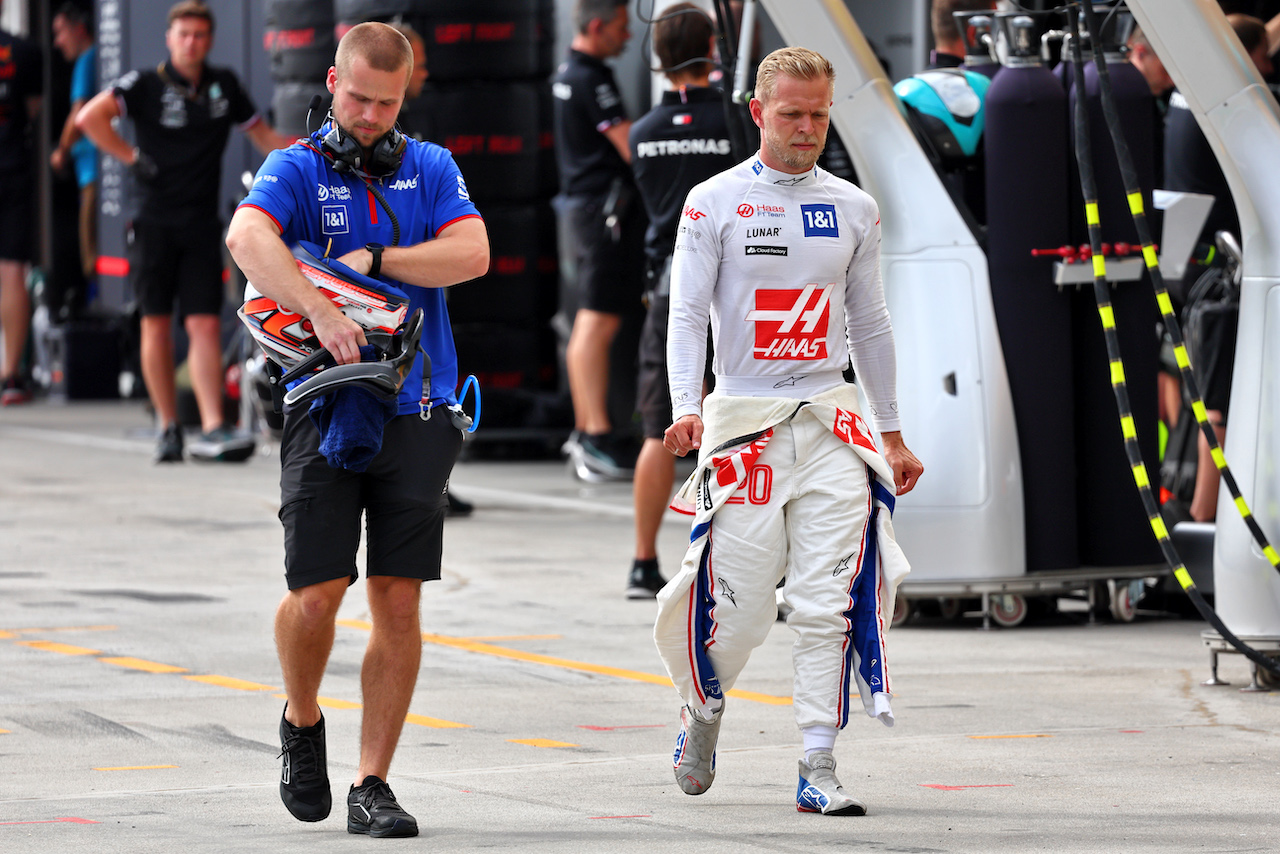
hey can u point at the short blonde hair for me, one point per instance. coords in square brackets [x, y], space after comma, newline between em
[798, 62]
[384, 47]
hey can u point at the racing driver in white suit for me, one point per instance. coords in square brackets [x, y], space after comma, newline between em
[784, 258]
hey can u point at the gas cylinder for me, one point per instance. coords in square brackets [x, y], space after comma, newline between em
[1026, 181]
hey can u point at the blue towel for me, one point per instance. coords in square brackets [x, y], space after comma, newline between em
[350, 422]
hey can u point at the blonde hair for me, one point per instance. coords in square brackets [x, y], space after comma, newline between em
[384, 47]
[798, 62]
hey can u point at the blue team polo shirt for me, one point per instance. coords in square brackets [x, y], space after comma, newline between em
[308, 200]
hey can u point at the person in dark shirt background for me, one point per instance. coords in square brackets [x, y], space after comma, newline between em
[679, 143]
[604, 226]
[182, 112]
[21, 84]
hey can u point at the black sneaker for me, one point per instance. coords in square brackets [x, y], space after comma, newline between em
[169, 445]
[600, 458]
[14, 391]
[458, 507]
[304, 780]
[222, 445]
[372, 809]
[645, 580]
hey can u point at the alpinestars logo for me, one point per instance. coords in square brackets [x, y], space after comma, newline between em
[791, 324]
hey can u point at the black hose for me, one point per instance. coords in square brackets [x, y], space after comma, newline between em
[1101, 292]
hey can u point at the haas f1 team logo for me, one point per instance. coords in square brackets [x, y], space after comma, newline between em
[791, 323]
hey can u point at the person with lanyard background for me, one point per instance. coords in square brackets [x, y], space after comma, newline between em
[784, 259]
[681, 142]
[21, 83]
[376, 185]
[604, 228]
[182, 113]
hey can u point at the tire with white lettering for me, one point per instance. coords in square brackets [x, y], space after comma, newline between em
[520, 288]
[298, 36]
[289, 105]
[493, 131]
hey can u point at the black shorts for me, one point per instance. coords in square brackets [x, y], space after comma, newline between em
[182, 263]
[653, 393]
[609, 273]
[17, 216]
[402, 494]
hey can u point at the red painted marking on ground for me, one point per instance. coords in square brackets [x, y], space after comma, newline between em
[943, 788]
[612, 728]
[67, 820]
[598, 817]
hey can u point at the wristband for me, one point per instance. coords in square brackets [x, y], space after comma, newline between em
[375, 249]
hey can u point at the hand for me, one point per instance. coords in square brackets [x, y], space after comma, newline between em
[340, 335]
[360, 260]
[143, 167]
[58, 159]
[906, 468]
[683, 436]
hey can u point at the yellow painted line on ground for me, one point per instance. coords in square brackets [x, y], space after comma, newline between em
[434, 723]
[540, 742]
[64, 648]
[231, 682]
[44, 629]
[332, 703]
[4, 732]
[7, 635]
[1029, 735]
[135, 768]
[564, 663]
[420, 720]
[143, 664]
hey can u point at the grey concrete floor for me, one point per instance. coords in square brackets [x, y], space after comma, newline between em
[139, 689]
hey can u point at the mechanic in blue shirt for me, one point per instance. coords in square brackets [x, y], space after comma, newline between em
[73, 37]
[390, 206]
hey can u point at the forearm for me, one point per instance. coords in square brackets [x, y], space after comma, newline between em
[460, 254]
[94, 121]
[269, 266]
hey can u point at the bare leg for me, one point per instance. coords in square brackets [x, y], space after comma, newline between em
[587, 363]
[15, 315]
[157, 366]
[204, 362]
[655, 475]
[304, 639]
[1204, 501]
[89, 230]
[390, 670]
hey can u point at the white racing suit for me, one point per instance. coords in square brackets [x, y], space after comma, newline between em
[796, 489]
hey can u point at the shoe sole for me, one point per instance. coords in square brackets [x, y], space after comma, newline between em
[641, 593]
[585, 470]
[396, 831]
[853, 809]
[222, 455]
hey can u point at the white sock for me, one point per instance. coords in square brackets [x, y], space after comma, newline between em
[818, 739]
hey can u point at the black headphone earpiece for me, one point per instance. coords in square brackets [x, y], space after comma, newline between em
[347, 155]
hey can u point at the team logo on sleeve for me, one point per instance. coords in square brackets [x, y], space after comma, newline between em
[819, 220]
[791, 323]
[462, 190]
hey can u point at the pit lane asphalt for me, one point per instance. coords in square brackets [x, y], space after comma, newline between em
[139, 689]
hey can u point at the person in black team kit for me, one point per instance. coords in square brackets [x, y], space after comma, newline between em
[603, 224]
[20, 87]
[182, 112]
[679, 143]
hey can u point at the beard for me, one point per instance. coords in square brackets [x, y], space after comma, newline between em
[801, 160]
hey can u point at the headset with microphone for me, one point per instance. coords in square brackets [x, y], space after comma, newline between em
[347, 155]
